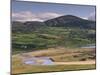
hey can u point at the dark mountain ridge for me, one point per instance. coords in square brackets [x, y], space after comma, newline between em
[62, 21]
[70, 21]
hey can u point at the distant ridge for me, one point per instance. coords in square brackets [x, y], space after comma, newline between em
[62, 21]
[70, 21]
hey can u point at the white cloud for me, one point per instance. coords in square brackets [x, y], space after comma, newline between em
[92, 16]
[84, 18]
[29, 16]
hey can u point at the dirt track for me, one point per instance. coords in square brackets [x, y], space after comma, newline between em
[75, 63]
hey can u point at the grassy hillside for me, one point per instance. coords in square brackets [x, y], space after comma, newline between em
[48, 37]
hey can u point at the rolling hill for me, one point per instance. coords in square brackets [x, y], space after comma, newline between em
[70, 21]
[62, 21]
[64, 31]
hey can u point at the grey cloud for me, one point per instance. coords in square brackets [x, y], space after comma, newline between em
[29, 16]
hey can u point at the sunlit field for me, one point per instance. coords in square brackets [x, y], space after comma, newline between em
[60, 57]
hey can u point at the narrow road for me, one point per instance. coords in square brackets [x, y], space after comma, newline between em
[75, 63]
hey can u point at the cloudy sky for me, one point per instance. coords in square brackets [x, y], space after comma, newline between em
[33, 11]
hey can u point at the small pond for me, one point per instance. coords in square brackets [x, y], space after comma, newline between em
[38, 61]
[89, 46]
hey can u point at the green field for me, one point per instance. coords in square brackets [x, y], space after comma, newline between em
[51, 37]
[61, 44]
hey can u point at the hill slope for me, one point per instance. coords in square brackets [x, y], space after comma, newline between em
[65, 31]
[27, 26]
[70, 21]
[63, 21]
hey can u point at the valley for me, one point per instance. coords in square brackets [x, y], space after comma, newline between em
[63, 41]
